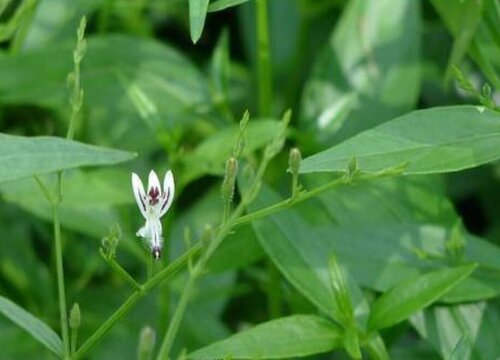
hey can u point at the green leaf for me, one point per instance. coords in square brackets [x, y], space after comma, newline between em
[461, 350]
[412, 295]
[369, 69]
[22, 157]
[473, 325]
[210, 156]
[219, 5]
[197, 14]
[460, 18]
[90, 197]
[293, 336]
[429, 141]
[34, 326]
[122, 76]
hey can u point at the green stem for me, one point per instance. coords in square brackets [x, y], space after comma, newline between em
[60, 281]
[125, 308]
[264, 72]
[74, 336]
[121, 271]
[175, 323]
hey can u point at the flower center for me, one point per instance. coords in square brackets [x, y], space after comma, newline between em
[154, 193]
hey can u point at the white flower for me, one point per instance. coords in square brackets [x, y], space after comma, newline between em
[153, 205]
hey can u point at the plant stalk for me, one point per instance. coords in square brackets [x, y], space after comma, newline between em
[264, 70]
[60, 281]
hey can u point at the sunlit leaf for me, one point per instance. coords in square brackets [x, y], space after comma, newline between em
[22, 157]
[429, 141]
[293, 336]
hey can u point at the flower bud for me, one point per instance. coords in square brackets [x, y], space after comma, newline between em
[229, 180]
[75, 318]
[146, 343]
[294, 160]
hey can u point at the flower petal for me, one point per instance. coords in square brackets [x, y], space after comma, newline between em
[168, 192]
[139, 194]
[153, 182]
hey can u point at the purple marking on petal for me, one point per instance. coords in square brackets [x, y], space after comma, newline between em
[153, 195]
[142, 200]
[166, 200]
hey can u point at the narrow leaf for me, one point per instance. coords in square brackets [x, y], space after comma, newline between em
[415, 294]
[197, 14]
[299, 335]
[34, 326]
[224, 4]
[436, 140]
[22, 157]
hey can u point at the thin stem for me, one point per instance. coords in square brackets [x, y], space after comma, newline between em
[300, 197]
[44, 189]
[125, 308]
[74, 337]
[179, 313]
[264, 72]
[121, 271]
[60, 281]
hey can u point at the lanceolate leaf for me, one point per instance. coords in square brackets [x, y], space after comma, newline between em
[412, 295]
[22, 157]
[428, 141]
[294, 336]
[34, 326]
[197, 14]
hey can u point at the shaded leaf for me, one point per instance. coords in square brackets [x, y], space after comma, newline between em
[428, 141]
[34, 326]
[371, 58]
[472, 325]
[409, 296]
[293, 336]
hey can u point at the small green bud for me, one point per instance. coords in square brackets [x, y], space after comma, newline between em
[110, 241]
[294, 160]
[229, 180]
[75, 318]
[240, 139]
[352, 168]
[487, 90]
[147, 341]
[207, 235]
[455, 245]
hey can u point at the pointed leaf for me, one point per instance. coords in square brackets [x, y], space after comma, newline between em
[412, 295]
[436, 140]
[197, 14]
[34, 326]
[294, 336]
[22, 157]
[219, 5]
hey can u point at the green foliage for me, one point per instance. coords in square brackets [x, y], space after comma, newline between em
[34, 326]
[23, 157]
[298, 335]
[427, 141]
[335, 179]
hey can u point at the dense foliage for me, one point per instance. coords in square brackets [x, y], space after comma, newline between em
[336, 179]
